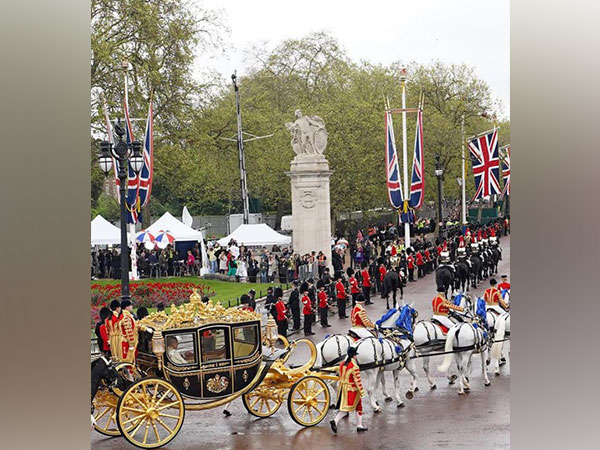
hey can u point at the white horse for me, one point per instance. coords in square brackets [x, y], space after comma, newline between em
[463, 340]
[429, 338]
[375, 356]
[494, 321]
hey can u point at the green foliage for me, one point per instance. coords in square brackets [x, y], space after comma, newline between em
[196, 166]
[107, 207]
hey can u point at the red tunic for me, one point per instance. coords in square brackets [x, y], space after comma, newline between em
[354, 289]
[427, 255]
[492, 296]
[366, 278]
[340, 291]
[350, 388]
[410, 261]
[104, 336]
[504, 285]
[281, 310]
[359, 318]
[322, 299]
[307, 306]
[439, 306]
[419, 259]
[382, 272]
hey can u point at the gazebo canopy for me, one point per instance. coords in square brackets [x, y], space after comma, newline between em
[181, 232]
[256, 235]
[104, 232]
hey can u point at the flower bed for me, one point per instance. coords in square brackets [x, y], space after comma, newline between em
[145, 294]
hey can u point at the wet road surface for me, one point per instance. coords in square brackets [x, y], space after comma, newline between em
[433, 419]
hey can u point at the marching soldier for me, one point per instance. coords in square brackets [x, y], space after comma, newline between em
[381, 272]
[420, 264]
[359, 316]
[493, 298]
[442, 308]
[340, 294]
[410, 263]
[354, 289]
[366, 283]
[307, 310]
[280, 312]
[322, 295]
[350, 392]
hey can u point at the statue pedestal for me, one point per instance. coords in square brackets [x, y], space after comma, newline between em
[311, 216]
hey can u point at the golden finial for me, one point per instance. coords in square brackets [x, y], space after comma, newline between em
[195, 297]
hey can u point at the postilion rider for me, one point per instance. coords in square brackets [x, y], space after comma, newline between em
[350, 392]
[122, 334]
[493, 299]
[442, 308]
[359, 316]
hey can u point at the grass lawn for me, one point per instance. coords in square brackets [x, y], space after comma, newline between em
[224, 290]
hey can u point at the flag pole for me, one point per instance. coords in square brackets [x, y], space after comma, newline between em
[404, 155]
[464, 162]
[133, 275]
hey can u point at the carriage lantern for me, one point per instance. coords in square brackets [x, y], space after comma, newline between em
[271, 333]
[158, 346]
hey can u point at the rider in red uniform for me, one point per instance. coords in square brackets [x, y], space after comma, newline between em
[359, 316]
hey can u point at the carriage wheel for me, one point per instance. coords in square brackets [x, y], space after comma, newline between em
[105, 402]
[261, 402]
[308, 401]
[150, 413]
[105, 420]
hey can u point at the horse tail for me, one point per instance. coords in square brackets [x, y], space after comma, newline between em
[499, 336]
[448, 348]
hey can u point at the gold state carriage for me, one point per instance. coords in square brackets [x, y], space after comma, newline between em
[201, 356]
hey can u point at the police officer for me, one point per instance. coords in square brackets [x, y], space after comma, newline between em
[294, 305]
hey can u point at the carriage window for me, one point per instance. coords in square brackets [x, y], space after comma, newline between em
[244, 341]
[214, 344]
[180, 349]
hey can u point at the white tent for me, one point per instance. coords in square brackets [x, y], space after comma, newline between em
[256, 234]
[181, 232]
[104, 232]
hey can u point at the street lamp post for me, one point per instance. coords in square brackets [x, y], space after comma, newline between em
[123, 153]
[439, 173]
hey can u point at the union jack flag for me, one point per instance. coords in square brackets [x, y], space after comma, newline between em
[417, 187]
[392, 170]
[506, 170]
[132, 182]
[485, 162]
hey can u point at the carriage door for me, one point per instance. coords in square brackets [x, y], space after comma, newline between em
[216, 366]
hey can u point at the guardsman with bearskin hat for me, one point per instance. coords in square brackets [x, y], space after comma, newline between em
[280, 312]
[354, 289]
[366, 282]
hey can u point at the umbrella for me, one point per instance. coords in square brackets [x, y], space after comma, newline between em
[144, 236]
[164, 238]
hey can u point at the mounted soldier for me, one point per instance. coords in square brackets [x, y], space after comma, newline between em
[493, 299]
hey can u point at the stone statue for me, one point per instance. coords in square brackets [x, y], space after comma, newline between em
[309, 136]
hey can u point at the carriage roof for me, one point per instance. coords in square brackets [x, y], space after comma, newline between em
[197, 314]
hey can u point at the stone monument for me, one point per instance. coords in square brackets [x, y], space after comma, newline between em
[309, 174]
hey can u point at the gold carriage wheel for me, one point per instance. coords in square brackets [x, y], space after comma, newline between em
[150, 413]
[261, 402]
[308, 401]
[105, 406]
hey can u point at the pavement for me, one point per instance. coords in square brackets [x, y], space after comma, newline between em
[432, 419]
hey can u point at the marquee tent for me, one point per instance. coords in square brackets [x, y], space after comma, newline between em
[180, 231]
[104, 232]
[256, 235]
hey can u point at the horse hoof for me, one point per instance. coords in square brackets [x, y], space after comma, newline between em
[467, 378]
[487, 362]
[497, 374]
[487, 384]
[433, 386]
[453, 379]
[409, 395]
[400, 405]
[388, 399]
[417, 389]
[461, 393]
[377, 411]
